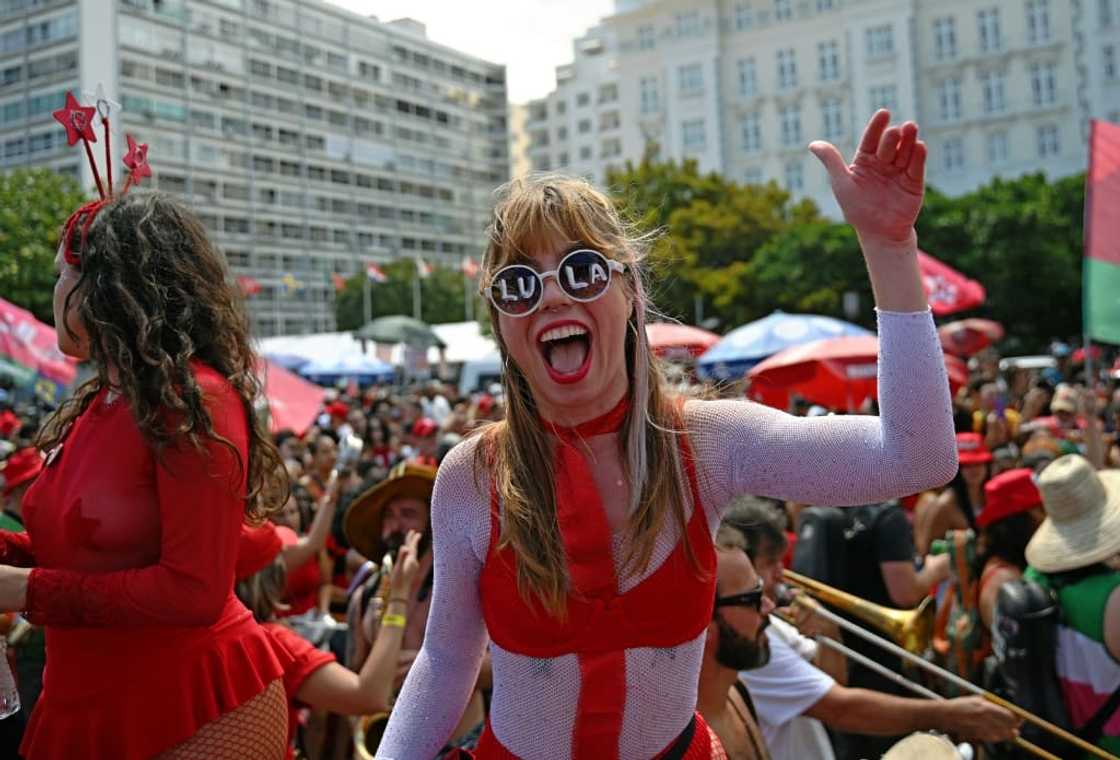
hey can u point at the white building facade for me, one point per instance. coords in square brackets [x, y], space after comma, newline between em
[999, 87]
[309, 139]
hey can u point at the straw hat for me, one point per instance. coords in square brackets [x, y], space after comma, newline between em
[1082, 523]
[922, 746]
[362, 522]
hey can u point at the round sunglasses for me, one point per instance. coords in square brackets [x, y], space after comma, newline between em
[583, 274]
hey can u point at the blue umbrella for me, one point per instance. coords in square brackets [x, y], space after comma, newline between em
[746, 346]
[288, 361]
[362, 369]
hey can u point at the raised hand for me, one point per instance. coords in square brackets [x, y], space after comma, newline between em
[881, 191]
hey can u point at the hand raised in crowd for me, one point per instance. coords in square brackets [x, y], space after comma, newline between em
[1034, 403]
[881, 191]
[977, 719]
[406, 567]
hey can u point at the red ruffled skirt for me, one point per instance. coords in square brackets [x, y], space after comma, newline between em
[131, 693]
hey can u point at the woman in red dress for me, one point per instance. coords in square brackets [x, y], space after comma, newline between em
[132, 527]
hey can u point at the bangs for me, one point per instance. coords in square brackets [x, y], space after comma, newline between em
[545, 211]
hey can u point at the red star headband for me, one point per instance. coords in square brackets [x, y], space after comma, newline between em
[78, 122]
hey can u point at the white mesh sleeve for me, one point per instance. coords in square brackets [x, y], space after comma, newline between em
[744, 447]
[443, 675]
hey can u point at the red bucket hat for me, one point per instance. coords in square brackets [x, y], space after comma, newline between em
[1007, 494]
[972, 450]
[21, 467]
[256, 548]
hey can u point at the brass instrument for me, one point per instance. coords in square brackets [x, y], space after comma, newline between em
[910, 629]
[369, 729]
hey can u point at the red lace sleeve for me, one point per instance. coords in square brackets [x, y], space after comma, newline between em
[201, 508]
[15, 549]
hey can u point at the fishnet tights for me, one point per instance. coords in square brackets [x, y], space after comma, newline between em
[257, 730]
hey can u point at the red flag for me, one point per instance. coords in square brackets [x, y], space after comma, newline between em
[374, 273]
[1102, 234]
[250, 286]
[948, 290]
[470, 268]
[339, 282]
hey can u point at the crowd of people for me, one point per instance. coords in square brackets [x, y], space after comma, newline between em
[582, 561]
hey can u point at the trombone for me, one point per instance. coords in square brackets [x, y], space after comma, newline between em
[911, 631]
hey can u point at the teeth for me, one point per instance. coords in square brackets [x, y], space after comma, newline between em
[559, 333]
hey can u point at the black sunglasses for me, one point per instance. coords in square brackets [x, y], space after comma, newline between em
[752, 598]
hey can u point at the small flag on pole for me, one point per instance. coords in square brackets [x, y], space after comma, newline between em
[1102, 234]
[338, 281]
[249, 286]
[291, 284]
[470, 268]
[374, 273]
[423, 268]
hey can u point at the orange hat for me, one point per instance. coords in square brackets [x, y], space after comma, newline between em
[1007, 494]
[971, 449]
[21, 467]
[256, 548]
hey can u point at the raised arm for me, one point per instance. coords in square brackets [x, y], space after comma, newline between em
[440, 682]
[747, 448]
[201, 503]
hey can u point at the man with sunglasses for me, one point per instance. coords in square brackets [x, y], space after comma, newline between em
[788, 686]
[735, 641]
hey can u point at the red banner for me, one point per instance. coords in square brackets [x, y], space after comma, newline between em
[29, 343]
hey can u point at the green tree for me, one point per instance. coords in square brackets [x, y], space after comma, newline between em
[1023, 239]
[442, 296]
[34, 204]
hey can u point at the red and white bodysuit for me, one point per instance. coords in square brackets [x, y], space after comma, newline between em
[618, 678]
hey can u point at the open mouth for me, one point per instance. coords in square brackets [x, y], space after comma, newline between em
[566, 349]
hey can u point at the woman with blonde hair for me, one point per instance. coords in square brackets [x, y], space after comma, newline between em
[578, 532]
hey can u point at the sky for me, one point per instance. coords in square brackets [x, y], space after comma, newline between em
[532, 37]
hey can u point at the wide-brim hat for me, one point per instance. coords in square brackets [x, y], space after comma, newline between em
[362, 523]
[1082, 525]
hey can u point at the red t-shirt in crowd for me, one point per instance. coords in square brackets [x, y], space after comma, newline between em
[303, 660]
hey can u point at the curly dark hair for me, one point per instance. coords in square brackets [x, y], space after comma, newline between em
[153, 295]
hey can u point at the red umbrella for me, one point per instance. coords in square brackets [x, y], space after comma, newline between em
[838, 373]
[673, 341]
[293, 402]
[948, 290]
[1078, 356]
[32, 344]
[966, 337]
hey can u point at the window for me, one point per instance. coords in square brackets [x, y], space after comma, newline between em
[608, 93]
[825, 5]
[1044, 86]
[987, 22]
[783, 10]
[583, 99]
[880, 41]
[649, 95]
[561, 134]
[952, 154]
[561, 107]
[949, 99]
[1047, 141]
[883, 96]
[787, 69]
[790, 117]
[992, 86]
[1038, 21]
[833, 118]
[646, 37]
[584, 126]
[997, 147]
[752, 175]
[693, 137]
[688, 24]
[610, 148]
[828, 58]
[751, 131]
[609, 120]
[945, 38]
[748, 78]
[585, 153]
[795, 176]
[1107, 14]
[690, 79]
[744, 17]
[1108, 56]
